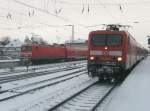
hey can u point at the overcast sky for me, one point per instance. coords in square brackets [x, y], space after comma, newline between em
[49, 18]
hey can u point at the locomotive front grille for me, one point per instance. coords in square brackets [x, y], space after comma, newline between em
[103, 63]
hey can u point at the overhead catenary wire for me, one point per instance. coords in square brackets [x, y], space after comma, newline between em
[122, 11]
[25, 15]
[100, 3]
[41, 10]
[106, 4]
[47, 12]
[17, 26]
[27, 26]
[63, 18]
[87, 3]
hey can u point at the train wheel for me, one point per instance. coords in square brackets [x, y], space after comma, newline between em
[123, 75]
[91, 74]
[101, 79]
[112, 80]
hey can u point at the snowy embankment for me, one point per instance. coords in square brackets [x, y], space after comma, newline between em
[5, 71]
[35, 95]
[40, 98]
[134, 93]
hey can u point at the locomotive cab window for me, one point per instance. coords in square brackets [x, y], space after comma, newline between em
[109, 40]
[26, 48]
[114, 40]
[98, 40]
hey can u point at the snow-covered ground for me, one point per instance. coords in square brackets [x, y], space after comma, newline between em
[14, 60]
[37, 79]
[43, 65]
[134, 93]
[42, 98]
[131, 95]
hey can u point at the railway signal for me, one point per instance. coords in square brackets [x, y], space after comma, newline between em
[148, 40]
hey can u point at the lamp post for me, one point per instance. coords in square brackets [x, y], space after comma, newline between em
[148, 37]
[72, 37]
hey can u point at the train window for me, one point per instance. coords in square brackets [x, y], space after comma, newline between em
[114, 40]
[99, 40]
[26, 48]
[106, 40]
[23, 48]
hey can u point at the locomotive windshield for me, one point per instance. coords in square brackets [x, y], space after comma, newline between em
[26, 48]
[106, 39]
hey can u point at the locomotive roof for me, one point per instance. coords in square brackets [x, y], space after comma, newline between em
[121, 31]
[78, 41]
[54, 45]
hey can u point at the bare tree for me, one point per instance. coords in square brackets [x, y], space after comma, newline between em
[38, 40]
[27, 40]
[5, 40]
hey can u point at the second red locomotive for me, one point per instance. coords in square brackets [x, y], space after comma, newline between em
[37, 53]
[112, 52]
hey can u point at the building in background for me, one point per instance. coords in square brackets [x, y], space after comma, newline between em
[11, 50]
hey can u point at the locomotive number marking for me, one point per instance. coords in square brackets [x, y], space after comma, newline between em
[105, 53]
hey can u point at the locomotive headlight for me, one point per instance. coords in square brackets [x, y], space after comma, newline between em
[119, 59]
[106, 48]
[92, 58]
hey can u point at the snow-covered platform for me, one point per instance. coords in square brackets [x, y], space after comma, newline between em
[134, 93]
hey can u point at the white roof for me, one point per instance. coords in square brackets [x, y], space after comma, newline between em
[14, 43]
[76, 41]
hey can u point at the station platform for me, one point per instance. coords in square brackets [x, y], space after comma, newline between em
[134, 92]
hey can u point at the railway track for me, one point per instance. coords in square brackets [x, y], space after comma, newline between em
[87, 99]
[6, 79]
[35, 68]
[88, 96]
[25, 89]
[53, 97]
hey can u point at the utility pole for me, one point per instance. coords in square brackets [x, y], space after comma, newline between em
[148, 42]
[72, 37]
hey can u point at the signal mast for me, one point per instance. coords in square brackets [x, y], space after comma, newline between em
[148, 42]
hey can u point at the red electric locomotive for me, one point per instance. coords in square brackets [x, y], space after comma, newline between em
[36, 53]
[42, 53]
[112, 52]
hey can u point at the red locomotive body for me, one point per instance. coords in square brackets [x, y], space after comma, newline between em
[45, 53]
[76, 50]
[112, 53]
